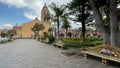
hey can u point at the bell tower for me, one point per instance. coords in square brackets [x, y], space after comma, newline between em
[44, 13]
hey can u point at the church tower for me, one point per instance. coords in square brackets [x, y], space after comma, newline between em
[45, 12]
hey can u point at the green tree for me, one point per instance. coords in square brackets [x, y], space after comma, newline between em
[3, 34]
[100, 10]
[81, 10]
[11, 32]
[110, 31]
[36, 28]
[66, 25]
[50, 30]
[45, 35]
[59, 13]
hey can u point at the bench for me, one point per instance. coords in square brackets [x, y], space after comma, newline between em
[60, 45]
[104, 57]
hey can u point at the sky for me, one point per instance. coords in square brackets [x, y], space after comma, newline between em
[14, 12]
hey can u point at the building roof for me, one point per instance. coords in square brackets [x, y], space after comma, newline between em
[36, 20]
[16, 27]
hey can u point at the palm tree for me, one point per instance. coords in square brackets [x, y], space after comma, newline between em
[36, 28]
[66, 25]
[59, 13]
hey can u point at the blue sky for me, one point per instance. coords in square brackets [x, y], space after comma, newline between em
[11, 15]
[14, 12]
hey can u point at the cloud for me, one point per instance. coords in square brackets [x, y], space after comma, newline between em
[7, 26]
[16, 3]
[33, 6]
[29, 15]
[75, 25]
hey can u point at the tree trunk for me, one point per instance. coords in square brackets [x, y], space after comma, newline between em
[83, 21]
[114, 23]
[66, 33]
[99, 20]
[55, 33]
[38, 35]
[107, 35]
[58, 23]
[107, 27]
[83, 31]
[119, 38]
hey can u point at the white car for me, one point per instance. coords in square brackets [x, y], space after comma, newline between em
[3, 39]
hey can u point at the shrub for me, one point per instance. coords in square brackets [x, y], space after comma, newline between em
[79, 43]
[95, 43]
[51, 39]
[45, 35]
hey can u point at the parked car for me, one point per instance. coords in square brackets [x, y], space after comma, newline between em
[3, 39]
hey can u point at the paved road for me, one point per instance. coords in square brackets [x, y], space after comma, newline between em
[28, 53]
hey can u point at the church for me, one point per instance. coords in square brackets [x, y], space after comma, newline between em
[24, 31]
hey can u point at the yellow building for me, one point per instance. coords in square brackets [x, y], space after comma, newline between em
[25, 30]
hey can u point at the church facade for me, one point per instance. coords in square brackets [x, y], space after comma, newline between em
[25, 30]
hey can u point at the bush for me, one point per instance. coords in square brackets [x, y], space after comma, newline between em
[51, 39]
[93, 38]
[45, 35]
[79, 43]
[95, 43]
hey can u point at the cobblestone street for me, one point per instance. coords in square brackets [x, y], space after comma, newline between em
[29, 53]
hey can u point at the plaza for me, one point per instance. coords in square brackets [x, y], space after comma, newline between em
[29, 53]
